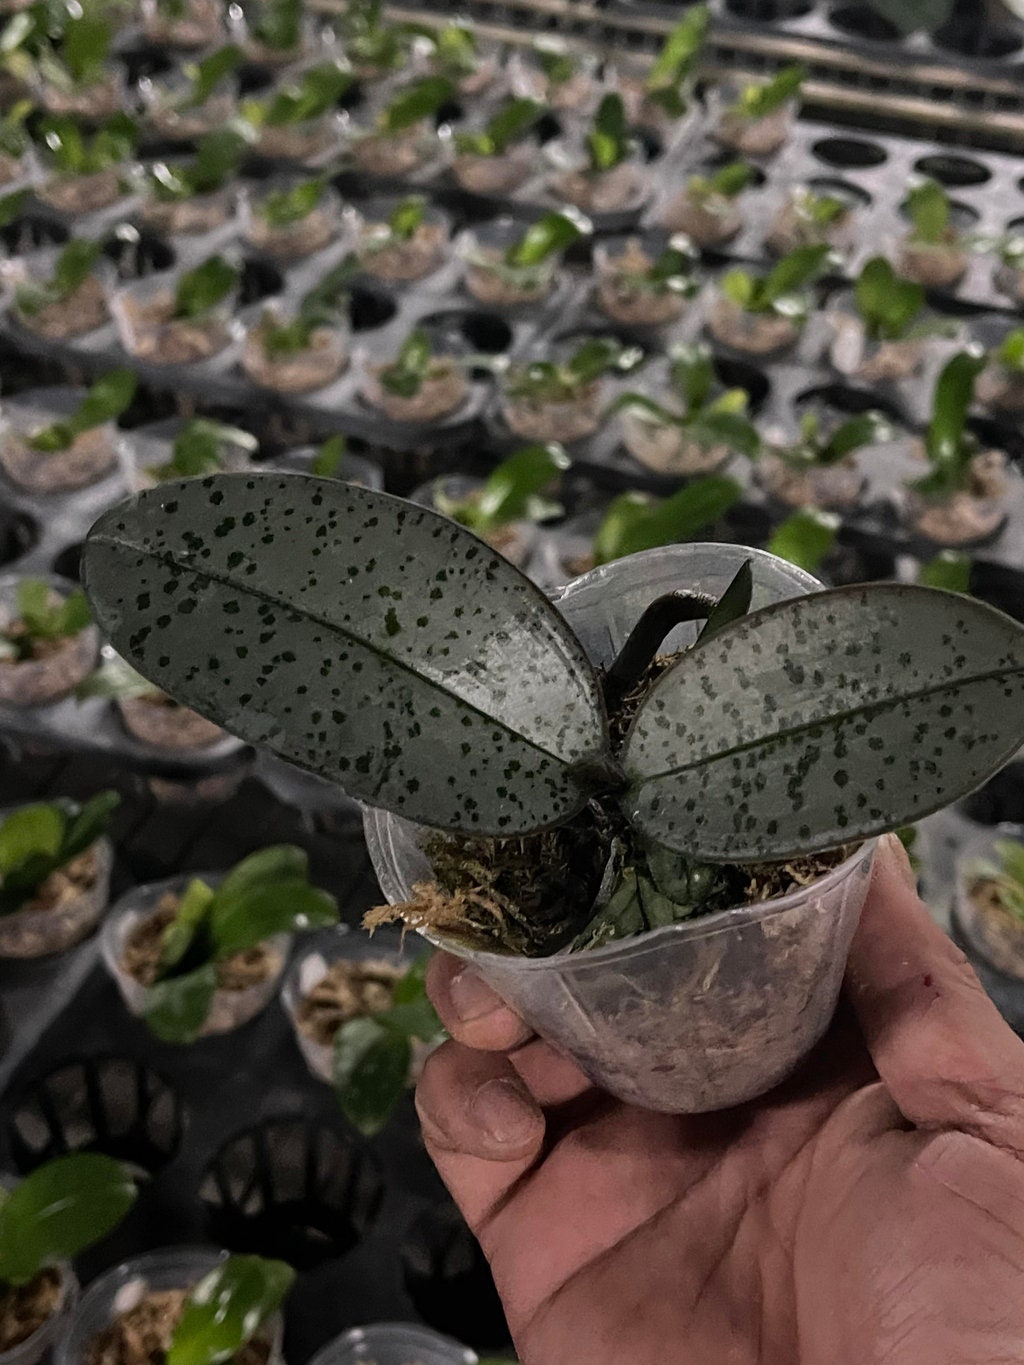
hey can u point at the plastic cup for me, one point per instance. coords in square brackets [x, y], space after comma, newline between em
[38, 1346]
[118, 1289]
[700, 1015]
[993, 934]
[394, 1343]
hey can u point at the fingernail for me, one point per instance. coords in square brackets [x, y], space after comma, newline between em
[471, 996]
[504, 1111]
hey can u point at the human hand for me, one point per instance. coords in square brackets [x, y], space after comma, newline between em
[869, 1210]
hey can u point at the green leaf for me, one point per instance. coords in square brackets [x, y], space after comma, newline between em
[692, 372]
[512, 490]
[12, 205]
[407, 217]
[929, 211]
[758, 101]
[72, 267]
[227, 1308]
[310, 96]
[30, 855]
[950, 570]
[72, 153]
[60, 1209]
[634, 522]
[183, 931]
[86, 45]
[598, 355]
[733, 603]
[368, 652]
[411, 1014]
[278, 24]
[547, 237]
[249, 917]
[947, 443]
[1010, 352]
[406, 374]
[282, 208]
[732, 180]
[607, 140]
[805, 538]
[416, 103]
[88, 823]
[328, 459]
[866, 429]
[200, 448]
[276, 863]
[108, 398]
[1011, 855]
[176, 1009]
[720, 427]
[512, 122]
[211, 71]
[681, 51]
[795, 272]
[201, 289]
[370, 1073]
[887, 305]
[32, 831]
[820, 721]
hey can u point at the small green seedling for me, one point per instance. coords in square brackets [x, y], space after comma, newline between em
[517, 490]
[702, 412]
[454, 51]
[227, 1308]
[931, 215]
[513, 122]
[726, 183]
[670, 80]
[673, 271]
[115, 680]
[851, 713]
[548, 381]
[62, 1208]
[816, 448]
[322, 306]
[202, 289]
[806, 538]
[79, 55]
[217, 159]
[284, 208]
[202, 447]
[528, 261]
[277, 24]
[557, 63]
[266, 894]
[373, 1053]
[105, 401]
[948, 442]
[889, 307]
[639, 521]
[37, 841]
[608, 143]
[819, 211]
[784, 290]
[371, 43]
[310, 96]
[42, 618]
[414, 104]
[1006, 874]
[949, 570]
[72, 152]
[73, 266]
[330, 457]
[759, 100]
[1009, 354]
[15, 139]
[414, 364]
[208, 76]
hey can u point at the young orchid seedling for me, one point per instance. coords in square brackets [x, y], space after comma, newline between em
[105, 401]
[806, 538]
[757, 122]
[70, 299]
[1005, 875]
[639, 288]
[706, 208]
[934, 252]
[819, 469]
[202, 447]
[517, 490]
[39, 840]
[217, 159]
[511, 125]
[847, 712]
[523, 271]
[309, 96]
[638, 521]
[669, 84]
[205, 288]
[559, 400]
[417, 385]
[766, 312]
[810, 219]
[227, 1309]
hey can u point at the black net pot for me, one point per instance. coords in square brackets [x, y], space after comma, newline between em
[448, 1279]
[293, 1187]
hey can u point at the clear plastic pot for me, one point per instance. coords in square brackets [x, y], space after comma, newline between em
[835, 487]
[192, 217]
[708, 220]
[174, 729]
[145, 450]
[396, 154]
[66, 913]
[936, 266]
[200, 24]
[81, 311]
[623, 295]
[121, 1288]
[969, 515]
[751, 333]
[144, 314]
[489, 277]
[314, 367]
[230, 1009]
[398, 261]
[623, 187]
[80, 196]
[499, 174]
[668, 449]
[319, 229]
[755, 136]
[312, 963]
[90, 456]
[394, 1343]
[990, 930]
[700, 1015]
[172, 116]
[38, 1346]
[307, 141]
[442, 392]
[55, 674]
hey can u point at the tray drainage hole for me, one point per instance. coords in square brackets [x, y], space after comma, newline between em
[975, 39]
[487, 333]
[852, 153]
[766, 11]
[69, 562]
[260, 280]
[847, 401]
[956, 171]
[31, 231]
[843, 190]
[137, 254]
[18, 534]
[862, 22]
[369, 308]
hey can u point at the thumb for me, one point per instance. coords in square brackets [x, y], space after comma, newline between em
[941, 1048]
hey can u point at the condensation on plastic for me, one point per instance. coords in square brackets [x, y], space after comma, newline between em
[697, 1016]
[119, 1288]
[394, 1343]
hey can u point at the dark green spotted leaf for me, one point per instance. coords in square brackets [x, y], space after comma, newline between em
[825, 719]
[433, 680]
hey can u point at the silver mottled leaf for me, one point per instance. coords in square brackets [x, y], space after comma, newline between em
[826, 719]
[368, 640]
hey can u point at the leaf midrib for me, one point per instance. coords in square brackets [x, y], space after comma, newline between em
[924, 693]
[168, 561]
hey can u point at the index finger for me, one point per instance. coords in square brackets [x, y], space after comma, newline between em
[945, 1054]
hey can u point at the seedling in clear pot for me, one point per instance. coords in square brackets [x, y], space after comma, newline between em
[61, 293]
[707, 208]
[184, 450]
[84, 173]
[272, 33]
[508, 264]
[668, 89]
[48, 642]
[417, 385]
[179, 318]
[990, 899]
[690, 424]
[934, 252]
[644, 280]
[498, 157]
[402, 138]
[186, 1306]
[961, 500]
[61, 1209]
[59, 440]
[555, 74]
[766, 313]
[303, 347]
[198, 956]
[808, 218]
[758, 121]
[299, 119]
[885, 338]
[506, 508]
[1001, 383]
[73, 72]
[561, 399]
[15, 143]
[820, 468]
[183, 23]
[456, 53]
[195, 98]
[294, 219]
[592, 845]
[55, 864]
[149, 715]
[195, 195]
[604, 175]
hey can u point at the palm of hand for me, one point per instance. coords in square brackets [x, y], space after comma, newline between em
[842, 1220]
